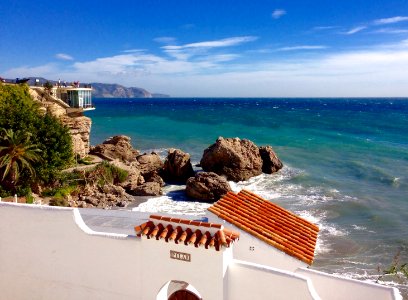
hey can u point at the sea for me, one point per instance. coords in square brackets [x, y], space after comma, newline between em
[345, 166]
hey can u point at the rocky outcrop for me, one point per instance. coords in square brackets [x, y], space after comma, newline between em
[117, 147]
[52, 105]
[234, 158]
[141, 174]
[80, 128]
[79, 125]
[147, 189]
[177, 167]
[271, 162]
[207, 186]
[149, 163]
[134, 178]
[105, 197]
[154, 177]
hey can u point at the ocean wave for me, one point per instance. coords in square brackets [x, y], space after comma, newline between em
[306, 201]
[374, 173]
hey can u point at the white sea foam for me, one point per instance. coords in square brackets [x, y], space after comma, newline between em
[305, 201]
[165, 204]
[356, 227]
[162, 152]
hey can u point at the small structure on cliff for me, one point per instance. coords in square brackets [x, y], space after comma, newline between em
[78, 98]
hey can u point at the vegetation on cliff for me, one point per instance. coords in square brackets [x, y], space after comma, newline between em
[33, 146]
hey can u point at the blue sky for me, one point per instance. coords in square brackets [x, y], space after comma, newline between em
[213, 48]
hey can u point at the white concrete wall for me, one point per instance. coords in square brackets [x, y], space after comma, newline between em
[49, 253]
[337, 288]
[251, 281]
[204, 272]
[45, 255]
[262, 253]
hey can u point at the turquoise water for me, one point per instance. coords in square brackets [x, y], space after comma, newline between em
[346, 163]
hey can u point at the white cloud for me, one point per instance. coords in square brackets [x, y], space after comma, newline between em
[64, 56]
[201, 49]
[165, 39]
[134, 51]
[390, 20]
[277, 13]
[302, 47]
[228, 42]
[375, 71]
[355, 30]
[392, 30]
[319, 28]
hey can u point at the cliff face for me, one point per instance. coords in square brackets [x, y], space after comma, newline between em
[101, 90]
[80, 128]
[79, 125]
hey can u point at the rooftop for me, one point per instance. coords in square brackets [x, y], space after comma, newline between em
[270, 223]
[199, 234]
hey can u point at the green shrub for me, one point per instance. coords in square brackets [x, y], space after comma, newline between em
[84, 161]
[106, 173]
[27, 193]
[20, 113]
[60, 192]
[4, 193]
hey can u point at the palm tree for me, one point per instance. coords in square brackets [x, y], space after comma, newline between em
[17, 153]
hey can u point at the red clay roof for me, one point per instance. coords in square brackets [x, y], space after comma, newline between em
[187, 232]
[270, 223]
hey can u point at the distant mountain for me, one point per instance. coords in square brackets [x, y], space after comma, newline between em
[104, 90]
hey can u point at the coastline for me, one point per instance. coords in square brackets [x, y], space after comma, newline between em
[344, 161]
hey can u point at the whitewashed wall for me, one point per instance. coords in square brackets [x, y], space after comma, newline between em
[49, 253]
[338, 288]
[204, 272]
[45, 255]
[250, 281]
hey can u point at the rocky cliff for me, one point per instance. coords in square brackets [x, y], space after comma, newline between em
[79, 125]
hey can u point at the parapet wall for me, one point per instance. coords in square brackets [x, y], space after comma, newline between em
[45, 255]
[251, 281]
[50, 253]
[338, 288]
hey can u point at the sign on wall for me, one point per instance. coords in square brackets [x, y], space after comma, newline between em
[180, 256]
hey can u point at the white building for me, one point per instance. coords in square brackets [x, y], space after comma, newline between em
[78, 98]
[249, 249]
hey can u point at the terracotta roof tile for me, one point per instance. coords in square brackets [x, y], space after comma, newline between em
[269, 222]
[188, 232]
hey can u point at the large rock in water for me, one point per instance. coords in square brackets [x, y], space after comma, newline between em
[177, 167]
[117, 147]
[207, 186]
[234, 158]
[147, 189]
[271, 162]
[149, 163]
